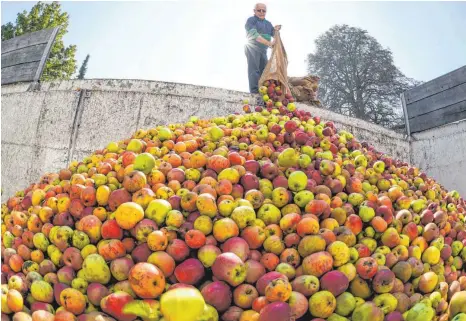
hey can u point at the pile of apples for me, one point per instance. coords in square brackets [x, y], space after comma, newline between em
[272, 215]
[274, 96]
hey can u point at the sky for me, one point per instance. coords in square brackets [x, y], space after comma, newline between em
[202, 42]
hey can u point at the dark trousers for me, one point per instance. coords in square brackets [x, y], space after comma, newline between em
[257, 59]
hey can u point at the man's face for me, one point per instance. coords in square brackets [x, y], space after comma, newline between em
[260, 11]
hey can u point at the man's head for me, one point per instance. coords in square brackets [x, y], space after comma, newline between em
[259, 10]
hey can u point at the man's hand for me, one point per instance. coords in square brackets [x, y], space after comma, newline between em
[272, 43]
[277, 27]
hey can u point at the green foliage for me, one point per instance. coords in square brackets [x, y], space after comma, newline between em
[358, 77]
[83, 69]
[8, 31]
[61, 63]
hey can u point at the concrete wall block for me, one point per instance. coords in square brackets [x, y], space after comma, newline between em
[211, 108]
[162, 110]
[452, 177]
[440, 146]
[441, 153]
[56, 119]
[16, 168]
[107, 116]
[232, 107]
[79, 155]
[47, 160]
[20, 116]
[153, 112]
[223, 94]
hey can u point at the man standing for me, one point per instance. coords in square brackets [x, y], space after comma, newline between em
[259, 34]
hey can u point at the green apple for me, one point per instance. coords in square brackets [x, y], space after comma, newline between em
[99, 179]
[157, 210]
[79, 284]
[262, 133]
[55, 254]
[322, 304]
[216, 133]
[42, 291]
[146, 309]
[193, 119]
[297, 181]
[164, 134]
[346, 303]
[193, 174]
[318, 130]
[379, 166]
[386, 301]
[288, 158]
[80, 239]
[418, 205]
[459, 317]
[40, 241]
[366, 213]
[8, 239]
[304, 161]
[265, 183]
[209, 314]
[280, 196]
[303, 197]
[182, 304]
[226, 207]
[135, 145]
[95, 269]
[456, 247]
[367, 311]
[113, 147]
[144, 162]
[269, 213]
[421, 311]
[360, 160]
[431, 255]
[308, 150]
[243, 215]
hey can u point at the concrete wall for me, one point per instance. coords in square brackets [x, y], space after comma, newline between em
[441, 153]
[43, 131]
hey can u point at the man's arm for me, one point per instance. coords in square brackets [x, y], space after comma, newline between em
[265, 41]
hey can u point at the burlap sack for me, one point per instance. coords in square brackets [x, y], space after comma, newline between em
[310, 82]
[276, 68]
[304, 88]
[298, 81]
[301, 93]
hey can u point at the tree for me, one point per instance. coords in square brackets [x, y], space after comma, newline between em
[83, 69]
[358, 77]
[61, 63]
[8, 31]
